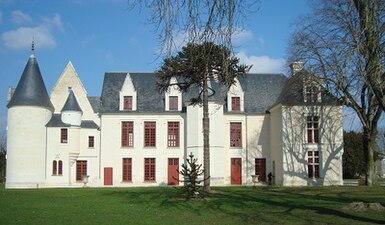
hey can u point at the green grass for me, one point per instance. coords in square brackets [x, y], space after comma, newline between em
[231, 205]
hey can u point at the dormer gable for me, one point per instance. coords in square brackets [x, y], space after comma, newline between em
[312, 89]
[173, 96]
[128, 95]
[235, 97]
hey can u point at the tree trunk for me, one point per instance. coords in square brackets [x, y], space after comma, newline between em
[369, 143]
[206, 137]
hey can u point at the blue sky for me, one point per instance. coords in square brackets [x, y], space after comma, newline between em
[104, 35]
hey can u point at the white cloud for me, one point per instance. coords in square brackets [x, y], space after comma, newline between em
[262, 64]
[241, 36]
[22, 37]
[19, 17]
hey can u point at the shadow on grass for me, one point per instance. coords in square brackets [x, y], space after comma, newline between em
[253, 204]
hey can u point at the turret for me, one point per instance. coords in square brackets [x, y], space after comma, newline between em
[29, 110]
[71, 112]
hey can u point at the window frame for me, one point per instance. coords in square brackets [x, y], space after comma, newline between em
[91, 141]
[235, 104]
[127, 134]
[235, 134]
[313, 164]
[81, 169]
[127, 170]
[149, 134]
[127, 103]
[312, 129]
[63, 135]
[173, 134]
[150, 169]
[173, 103]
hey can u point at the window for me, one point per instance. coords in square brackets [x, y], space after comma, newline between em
[127, 134]
[91, 141]
[260, 169]
[313, 164]
[127, 169]
[312, 93]
[127, 105]
[63, 135]
[149, 134]
[312, 129]
[173, 103]
[235, 104]
[235, 134]
[173, 134]
[81, 170]
[149, 169]
[57, 167]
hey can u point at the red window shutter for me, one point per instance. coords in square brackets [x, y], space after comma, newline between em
[63, 135]
[60, 170]
[127, 103]
[54, 167]
[173, 103]
[173, 134]
[127, 169]
[127, 134]
[149, 134]
[235, 134]
[235, 104]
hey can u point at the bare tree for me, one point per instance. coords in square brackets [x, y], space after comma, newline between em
[335, 43]
[3, 152]
[197, 21]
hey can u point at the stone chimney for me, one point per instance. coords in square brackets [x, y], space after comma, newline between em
[296, 67]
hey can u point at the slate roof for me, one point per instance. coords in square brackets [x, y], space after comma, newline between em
[261, 92]
[56, 121]
[31, 90]
[95, 103]
[293, 92]
[71, 104]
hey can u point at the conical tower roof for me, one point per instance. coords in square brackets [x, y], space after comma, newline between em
[30, 90]
[71, 104]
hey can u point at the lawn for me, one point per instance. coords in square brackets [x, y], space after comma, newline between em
[230, 205]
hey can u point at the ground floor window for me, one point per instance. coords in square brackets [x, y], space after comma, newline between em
[127, 169]
[81, 170]
[313, 164]
[260, 169]
[149, 169]
[57, 167]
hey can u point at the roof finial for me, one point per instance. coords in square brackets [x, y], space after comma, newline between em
[33, 46]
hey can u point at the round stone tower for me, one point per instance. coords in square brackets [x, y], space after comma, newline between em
[29, 110]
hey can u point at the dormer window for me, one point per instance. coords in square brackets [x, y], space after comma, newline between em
[235, 104]
[127, 105]
[312, 93]
[173, 103]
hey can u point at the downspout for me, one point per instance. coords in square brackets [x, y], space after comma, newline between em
[46, 154]
[247, 149]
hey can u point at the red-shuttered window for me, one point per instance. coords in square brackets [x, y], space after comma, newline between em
[313, 164]
[173, 103]
[235, 104]
[64, 135]
[149, 134]
[127, 169]
[57, 167]
[149, 169]
[173, 134]
[127, 134]
[127, 105]
[235, 134]
[81, 169]
[91, 141]
[312, 129]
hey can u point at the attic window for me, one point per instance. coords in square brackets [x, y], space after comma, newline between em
[235, 104]
[173, 103]
[127, 105]
[312, 93]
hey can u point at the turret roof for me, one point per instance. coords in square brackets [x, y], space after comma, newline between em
[71, 104]
[31, 90]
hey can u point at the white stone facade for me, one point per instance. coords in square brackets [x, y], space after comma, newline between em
[275, 138]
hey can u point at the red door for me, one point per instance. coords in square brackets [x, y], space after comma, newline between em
[236, 171]
[108, 176]
[173, 171]
[260, 169]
